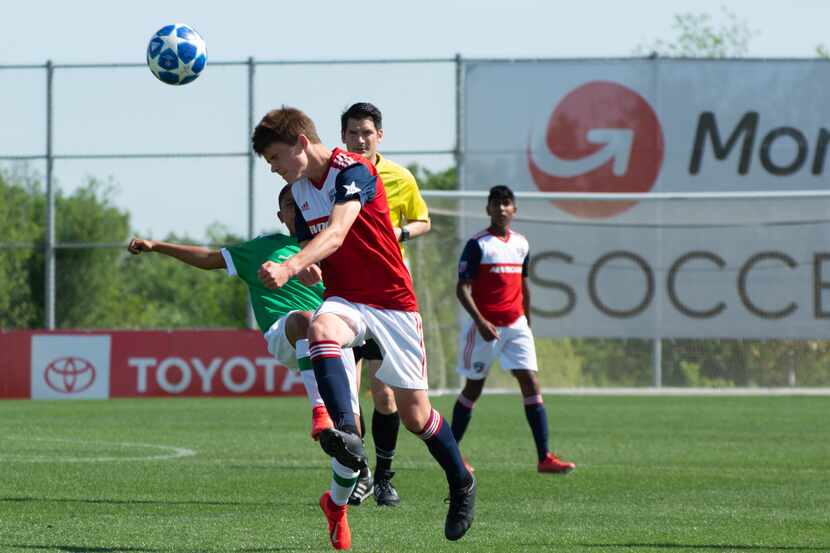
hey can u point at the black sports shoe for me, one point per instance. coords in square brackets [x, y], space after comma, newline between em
[364, 487]
[345, 447]
[461, 512]
[385, 492]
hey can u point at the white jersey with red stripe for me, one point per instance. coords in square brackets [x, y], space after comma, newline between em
[496, 265]
[368, 267]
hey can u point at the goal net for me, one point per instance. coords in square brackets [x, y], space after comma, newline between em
[636, 290]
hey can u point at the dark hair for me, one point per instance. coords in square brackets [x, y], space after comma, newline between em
[285, 190]
[284, 125]
[500, 193]
[361, 110]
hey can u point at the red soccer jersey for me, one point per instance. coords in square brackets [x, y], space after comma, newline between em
[496, 266]
[368, 267]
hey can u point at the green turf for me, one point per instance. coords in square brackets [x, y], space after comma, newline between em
[654, 474]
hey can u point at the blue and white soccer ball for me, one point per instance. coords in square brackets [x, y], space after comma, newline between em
[176, 54]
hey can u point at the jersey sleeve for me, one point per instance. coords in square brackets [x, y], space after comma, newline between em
[355, 182]
[240, 258]
[416, 208]
[470, 261]
[525, 265]
[301, 227]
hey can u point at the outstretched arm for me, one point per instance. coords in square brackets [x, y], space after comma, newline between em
[195, 256]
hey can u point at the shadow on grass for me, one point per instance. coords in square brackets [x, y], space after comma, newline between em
[142, 502]
[716, 547]
[128, 549]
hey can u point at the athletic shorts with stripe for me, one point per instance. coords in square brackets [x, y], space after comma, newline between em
[284, 352]
[399, 334]
[515, 349]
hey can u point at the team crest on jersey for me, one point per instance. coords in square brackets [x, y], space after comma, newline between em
[305, 206]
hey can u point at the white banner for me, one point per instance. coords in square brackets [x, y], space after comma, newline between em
[70, 366]
[716, 268]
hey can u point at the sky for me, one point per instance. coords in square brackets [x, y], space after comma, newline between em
[125, 110]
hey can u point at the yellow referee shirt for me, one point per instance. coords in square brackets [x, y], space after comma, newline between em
[402, 193]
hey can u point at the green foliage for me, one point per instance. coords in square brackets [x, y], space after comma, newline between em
[698, 35]
[171, 294]
[101, 287]
[19, 231]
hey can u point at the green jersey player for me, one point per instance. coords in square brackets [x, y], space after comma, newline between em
[282, 315]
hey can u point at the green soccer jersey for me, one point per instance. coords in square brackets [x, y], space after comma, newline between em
[244, 260]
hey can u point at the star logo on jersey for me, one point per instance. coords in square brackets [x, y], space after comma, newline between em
[352, 189]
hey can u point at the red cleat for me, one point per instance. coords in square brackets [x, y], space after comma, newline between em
[554, 465]
[320, 420]
[339, 532]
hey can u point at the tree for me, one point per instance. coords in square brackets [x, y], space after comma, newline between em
[170, 294]
[698, 35]
[20, 232]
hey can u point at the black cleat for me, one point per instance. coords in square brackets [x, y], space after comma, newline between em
[364, 487]
[346, 448]
[385, 492]
[461, 512]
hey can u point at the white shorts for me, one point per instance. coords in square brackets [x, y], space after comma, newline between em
[399, 334]
[514, 347]
[284, 352]
[278, 344]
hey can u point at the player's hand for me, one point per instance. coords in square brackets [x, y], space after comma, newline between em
[488, 331]
[137, 245]
[273, 275]
[311, 275]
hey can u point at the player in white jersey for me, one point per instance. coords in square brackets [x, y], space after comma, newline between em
[342, 207]
[492, 288]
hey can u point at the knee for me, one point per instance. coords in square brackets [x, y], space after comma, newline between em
[412, 420]
[528, 382]
[472, 389]
[296, 326]
[383, 397]
[320, 329]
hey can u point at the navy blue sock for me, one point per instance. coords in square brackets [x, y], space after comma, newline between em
[537, 418]
[385, 434]
[333, 383]
[442, 445]
[462, 412]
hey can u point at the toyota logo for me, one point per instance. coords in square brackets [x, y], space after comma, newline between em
[69, 375]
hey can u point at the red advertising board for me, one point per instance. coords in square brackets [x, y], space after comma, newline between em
[99, 365]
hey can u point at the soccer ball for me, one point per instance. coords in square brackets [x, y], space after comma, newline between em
[176, 54]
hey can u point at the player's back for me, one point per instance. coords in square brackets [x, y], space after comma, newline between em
[244, 260]
[368, 267]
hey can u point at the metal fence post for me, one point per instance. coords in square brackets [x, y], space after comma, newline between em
[49, 251]
[251, 159]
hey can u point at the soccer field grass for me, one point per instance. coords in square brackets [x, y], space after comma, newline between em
[653, 474]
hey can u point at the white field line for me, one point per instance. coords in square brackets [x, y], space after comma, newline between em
[172, 452]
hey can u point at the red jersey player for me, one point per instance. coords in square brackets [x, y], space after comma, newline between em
[492, 287]
[343, 223]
